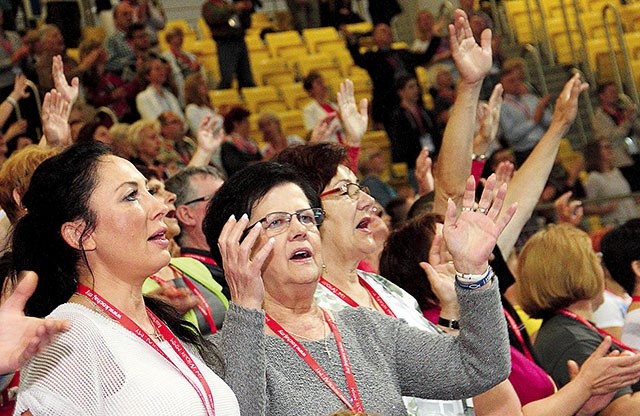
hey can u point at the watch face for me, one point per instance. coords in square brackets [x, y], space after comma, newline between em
[233, 21]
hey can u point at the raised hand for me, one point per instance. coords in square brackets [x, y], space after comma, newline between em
[324, 129]
[568, 212]
[473, 61]
[55, 116]
[440, 272]
[180, 298]
[243, 271]
[16, 129]
[472, 235]
[354, 120]
[68, 91]
[21, 337]
[210, 134]
[424, 173]
[567, 102]
[489, 121]
[19, 88]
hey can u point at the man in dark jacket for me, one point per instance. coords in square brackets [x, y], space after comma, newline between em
[385, 66]
[228, 22]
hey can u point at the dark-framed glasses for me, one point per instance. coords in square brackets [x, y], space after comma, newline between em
[278, 222]
[347, 188]
[205, 198]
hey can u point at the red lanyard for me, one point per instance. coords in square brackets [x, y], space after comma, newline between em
[635, 298]
[523, 107]
[355, 404]
[201, 258]
[518, 334]
[573, 315]
[174, 342]
[328, 109]
[349, 301]
[203, 306]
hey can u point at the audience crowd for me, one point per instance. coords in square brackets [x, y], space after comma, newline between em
[159, 259]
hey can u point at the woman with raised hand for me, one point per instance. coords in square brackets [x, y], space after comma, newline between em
[263, 230]
[93, 234]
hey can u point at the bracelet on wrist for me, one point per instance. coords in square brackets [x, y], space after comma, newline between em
[448, 323]
[11, 101]
[474, 281]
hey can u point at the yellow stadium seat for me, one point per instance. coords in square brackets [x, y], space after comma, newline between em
[320, 62]
[276, 42]
[294, 95]
[317, 36]
[273, 71]
[203, 28]
[377, 138]
[210, 64]
[222, 98]
[292, 122]
[263, 98]
[260, 21]
[203, 47]
[332, 47]
[363, 27]
[598, 55]
[74, 54]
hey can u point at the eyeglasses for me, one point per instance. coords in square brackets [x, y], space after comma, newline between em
[347, 188]
[202, 198]
[278, 222]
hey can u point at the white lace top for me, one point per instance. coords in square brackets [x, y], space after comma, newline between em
[98, 367]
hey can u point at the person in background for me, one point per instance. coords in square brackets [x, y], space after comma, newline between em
[238, 150]
[95, 130]
[560, 279]
[120, 54]
[524, 117]
[617, 120]
[372, 165]
[156, 98]
[320, 106]
[194, 187]
[229, 22]
[606, 180]
[272, 134]
[305, 13]
[385, 65]
[146, 142]
[412, 128]
[182, 63]
[120, 144]
[175, 141]
[620, 257]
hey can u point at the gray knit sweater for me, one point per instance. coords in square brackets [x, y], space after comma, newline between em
[389, 359]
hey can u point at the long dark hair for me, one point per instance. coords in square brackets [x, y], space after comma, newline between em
[59, 192]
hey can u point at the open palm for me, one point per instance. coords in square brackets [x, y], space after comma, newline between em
[473, 61]
[471, 236]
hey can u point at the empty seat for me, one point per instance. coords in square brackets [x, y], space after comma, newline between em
[276, 42]
[222, 98]
[320, 62]
[294, 95]
[321, 35]
[263, 98]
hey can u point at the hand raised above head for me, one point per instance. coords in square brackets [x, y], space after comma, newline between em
[354, 120]
[472, 235]
[55, 117]
[242, 271]
[210, 134]
[566, 107]
[68, 91]
[473, 61]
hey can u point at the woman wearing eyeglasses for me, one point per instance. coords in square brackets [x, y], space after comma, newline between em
[285, 354]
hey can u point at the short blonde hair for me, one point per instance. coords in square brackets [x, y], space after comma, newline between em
[134, 134]
[16, 175]
[558, 267]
